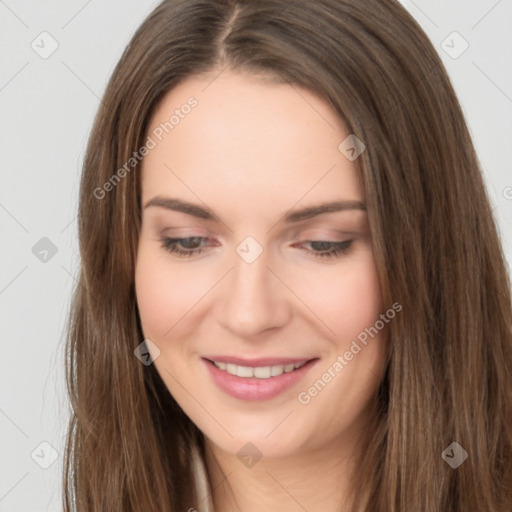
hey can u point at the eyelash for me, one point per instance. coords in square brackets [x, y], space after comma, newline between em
[339, 248]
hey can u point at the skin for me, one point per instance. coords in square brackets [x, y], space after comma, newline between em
[251, 151]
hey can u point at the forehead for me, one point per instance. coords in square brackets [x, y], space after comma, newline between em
[247, 140]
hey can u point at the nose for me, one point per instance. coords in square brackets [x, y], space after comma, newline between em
[252, 299]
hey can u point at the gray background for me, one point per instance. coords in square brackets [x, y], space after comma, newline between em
[47, 107]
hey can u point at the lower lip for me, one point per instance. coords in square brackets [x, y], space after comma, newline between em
[254, 389]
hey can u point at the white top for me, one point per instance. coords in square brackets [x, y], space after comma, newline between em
[202, 484]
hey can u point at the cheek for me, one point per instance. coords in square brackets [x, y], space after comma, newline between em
[162, 295]
[347, 298]
[361, 299]
[168, 293]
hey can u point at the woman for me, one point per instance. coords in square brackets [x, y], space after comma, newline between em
[293, 295]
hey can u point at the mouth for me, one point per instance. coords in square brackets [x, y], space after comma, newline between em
[257, 371]
[256, 380]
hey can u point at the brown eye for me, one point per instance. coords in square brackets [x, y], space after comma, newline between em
[326, 248]
[184, 247]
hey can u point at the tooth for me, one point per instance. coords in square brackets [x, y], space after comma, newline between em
[262, 372]
[231, 368]
[244, 371]
[276, 370]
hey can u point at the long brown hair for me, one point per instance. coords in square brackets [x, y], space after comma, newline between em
[448, 376]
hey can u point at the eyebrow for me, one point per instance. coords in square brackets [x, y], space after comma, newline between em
[309, 212]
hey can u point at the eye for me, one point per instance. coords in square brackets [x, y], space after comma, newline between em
[189, 246]
[185, 247]
[326, 248]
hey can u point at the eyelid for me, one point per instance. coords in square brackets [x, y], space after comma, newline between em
[326, 228]
[184, 232]
[319, 233]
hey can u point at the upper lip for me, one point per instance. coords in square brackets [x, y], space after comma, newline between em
[260, 361]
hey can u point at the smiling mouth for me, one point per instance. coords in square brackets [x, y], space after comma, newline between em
[259, 372]
[256, 379]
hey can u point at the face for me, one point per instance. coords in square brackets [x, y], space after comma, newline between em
[235, 265]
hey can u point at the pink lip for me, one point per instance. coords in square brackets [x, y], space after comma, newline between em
[252, 388]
